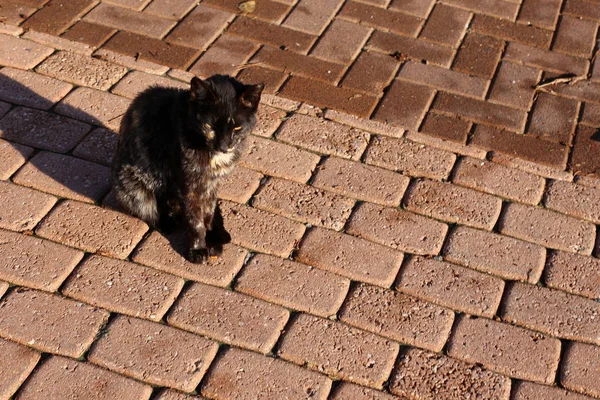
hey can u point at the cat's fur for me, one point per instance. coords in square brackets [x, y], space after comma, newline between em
[174, 148]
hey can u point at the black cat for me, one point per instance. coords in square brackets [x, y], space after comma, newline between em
[174, 147]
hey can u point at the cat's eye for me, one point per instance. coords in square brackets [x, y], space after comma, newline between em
[207, 126]
[237, 128]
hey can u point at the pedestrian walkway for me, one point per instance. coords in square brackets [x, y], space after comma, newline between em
[415, 215]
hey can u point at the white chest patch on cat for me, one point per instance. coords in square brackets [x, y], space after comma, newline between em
[220, 160]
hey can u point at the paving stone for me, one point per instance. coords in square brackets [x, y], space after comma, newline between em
[135, 62]
[585, 149]
[544, 59]
[125, 19]
[98, 147]
[511, 31]
[573, 273]
[179, 359]
[42, 129]
[371, 72]
[272, 79]
[324, 136]
[446, 25]
[146, 49]
[229, 317]
[498, 8]
[92, 229]
[398, 229]
[412, 48]
[299, 64]
[525, 147]
[312, 16]
[339, 98]
[123, 287]
[17, 364]
[480, 111]
[553, 312]
[397, 316]
[514, 85]
[575, 36]
[409, 157]
[274, 35]
[545, 171]
[49, 323]
[60, 378]
[506, 349]
[540, 13]
[174, 9]
[331, 48]
[548, 228]
[278, 159]
[478, 55]
[445, 128]
[136, 82]
[30, 89]
[260, 376]
[499, 180]
[443, 79]
[293, 285]
[381, 18]
[424, 375]
[451, 286]
[23, 207]
[15, 13]
[581, 8]
[495, 254]
[405, 104]
[94, 107]
[553, 118]
[260, 230]
[12, 30]
[361, 181]
[13, 156]
[174, 395]
[239, 185]
[580, 370]
[166, 254]
[304, 203]
[3, 288]
[420, 8]
[268, 120]
[225, 56]
[363, 123]
[272, 11]
[89, 33]
[349, 391]
[35, 263]
[136, 5]
[57, 15]
[59, 43]
[65, 176]
[338, 350]
[532, 391]
[575, 200]
[351, 257]
[21, 53]
[453, 204]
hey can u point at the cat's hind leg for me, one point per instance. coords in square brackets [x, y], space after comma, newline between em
[136, 198]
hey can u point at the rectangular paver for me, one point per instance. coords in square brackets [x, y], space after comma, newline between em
[294, 285]
[573, 273]
[339, 350]
[348, 256]
[22, 207]
[129, 20]
[30, 89]
[179, 359]
[579, 370]
[229, 317]
[49, 323]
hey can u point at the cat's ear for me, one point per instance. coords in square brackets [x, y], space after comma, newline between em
[200, 90]
[251, 95]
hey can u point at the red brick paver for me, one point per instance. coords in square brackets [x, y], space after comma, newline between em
[417, 167]
[18, 362]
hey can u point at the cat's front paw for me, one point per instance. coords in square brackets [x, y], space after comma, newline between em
[197, 256]
[215, 249]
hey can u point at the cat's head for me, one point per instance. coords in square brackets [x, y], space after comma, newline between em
[224, 110]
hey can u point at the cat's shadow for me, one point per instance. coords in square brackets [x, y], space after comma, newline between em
[19, 96]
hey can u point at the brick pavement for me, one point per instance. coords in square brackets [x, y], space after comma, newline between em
[411, 219]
